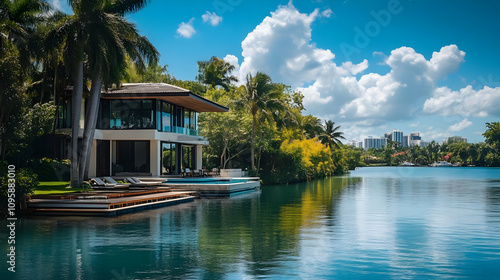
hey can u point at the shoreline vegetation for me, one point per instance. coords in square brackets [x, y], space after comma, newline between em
[266, 131]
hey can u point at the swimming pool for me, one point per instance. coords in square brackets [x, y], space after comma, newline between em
[204, 181]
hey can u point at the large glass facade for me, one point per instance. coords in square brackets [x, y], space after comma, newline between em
[166, 116]
[147, 114]
[188, 157]
[127, 114]
[131, 156]
[169, 164]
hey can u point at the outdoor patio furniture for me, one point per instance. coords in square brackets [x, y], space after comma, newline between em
[99, 183]
[135, 182]
[110, 180]
[215, 171]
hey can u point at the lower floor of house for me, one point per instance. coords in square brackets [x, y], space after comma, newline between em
[143, 158]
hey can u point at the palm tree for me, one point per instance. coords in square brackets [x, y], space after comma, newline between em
[262, 99]
[18, 22]
[113, 40]
[216, 72]
[97, 33]
[331, 135]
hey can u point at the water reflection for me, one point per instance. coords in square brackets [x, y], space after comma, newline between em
[363, 225]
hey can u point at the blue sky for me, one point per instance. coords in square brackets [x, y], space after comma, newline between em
[370, 66]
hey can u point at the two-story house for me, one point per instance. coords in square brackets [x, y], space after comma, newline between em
[146, 129]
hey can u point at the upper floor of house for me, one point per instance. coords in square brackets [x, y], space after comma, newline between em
[159, 106]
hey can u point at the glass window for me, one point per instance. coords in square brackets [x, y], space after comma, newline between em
[169, 158]
[132, 156]
[116, 114]
[188, 157]
[146, 113]
[166, 113]
[158, 116]
[131, 115]
[192, 121]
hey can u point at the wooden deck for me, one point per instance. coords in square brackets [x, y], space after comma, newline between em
[108, 204]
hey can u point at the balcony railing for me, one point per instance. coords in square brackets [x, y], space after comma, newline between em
[184, 130]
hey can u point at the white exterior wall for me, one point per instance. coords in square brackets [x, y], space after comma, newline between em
[155, 137]
[154, 157]
[199, 158]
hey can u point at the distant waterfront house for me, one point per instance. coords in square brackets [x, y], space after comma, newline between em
[143, 129]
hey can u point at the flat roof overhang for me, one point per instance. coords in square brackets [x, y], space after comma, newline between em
[187, 100]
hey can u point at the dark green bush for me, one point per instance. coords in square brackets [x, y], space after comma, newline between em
[51, 169]
[25, 182]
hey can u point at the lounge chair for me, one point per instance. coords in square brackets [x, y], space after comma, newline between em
[110, 180]
[135, 182]
[97, 183]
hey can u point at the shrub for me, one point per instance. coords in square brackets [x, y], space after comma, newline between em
[51, 169]
[25, 183]
[299, 160]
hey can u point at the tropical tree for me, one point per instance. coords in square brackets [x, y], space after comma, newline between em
[97, 33]
[331, 134]
[263, 100]
[216, 72]
[18, 23]
[492, 135]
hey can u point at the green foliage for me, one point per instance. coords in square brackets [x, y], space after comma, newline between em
[216, 72]
[299, 160]
[462, 153]
[492, 135]
[11, 94]
[34, 123]
[51, 169]
[25, 182]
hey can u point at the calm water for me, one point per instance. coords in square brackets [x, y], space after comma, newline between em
[376, 223]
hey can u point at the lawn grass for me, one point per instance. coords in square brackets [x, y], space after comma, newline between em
[56, 188]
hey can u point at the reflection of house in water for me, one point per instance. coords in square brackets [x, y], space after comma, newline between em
[143, 129]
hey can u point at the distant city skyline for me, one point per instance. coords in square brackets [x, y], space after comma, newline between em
[405, 140]
[370, 66]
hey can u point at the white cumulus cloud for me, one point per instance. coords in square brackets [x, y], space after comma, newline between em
[186, 30]
[465, 102]
[460, 126]
[327, 13]
[211, 18]
[233, 60]
[345, 91]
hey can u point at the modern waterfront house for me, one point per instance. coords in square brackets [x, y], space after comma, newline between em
[143, 129]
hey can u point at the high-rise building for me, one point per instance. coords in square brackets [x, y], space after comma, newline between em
[414, 139]
[395, 135]
[356, 144]
[376, 143]
[405, 141]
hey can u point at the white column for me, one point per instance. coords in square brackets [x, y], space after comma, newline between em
[199, 158]
[154, 157]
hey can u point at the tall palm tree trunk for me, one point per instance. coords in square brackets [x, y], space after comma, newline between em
[90, 124]
[252, 150]
[75, 115]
